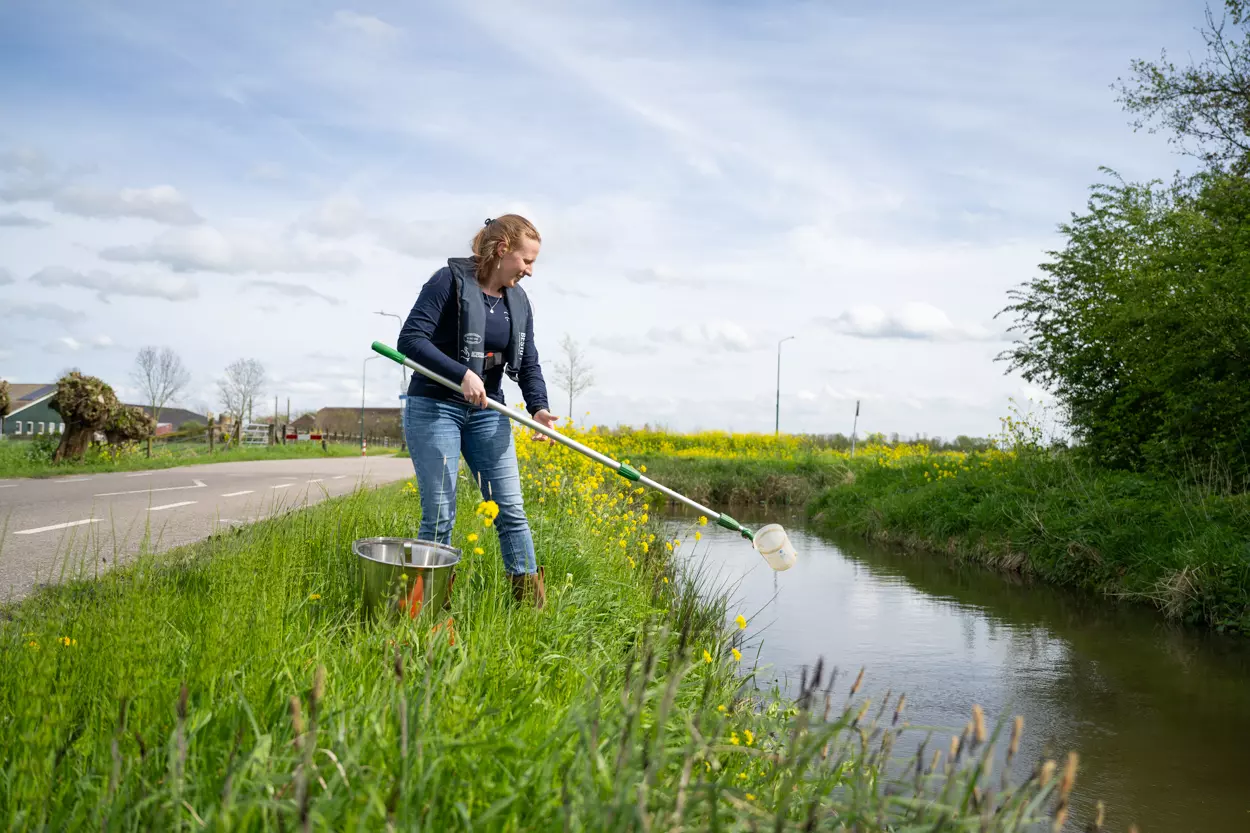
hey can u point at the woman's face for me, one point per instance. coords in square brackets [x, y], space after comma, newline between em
[518, 263]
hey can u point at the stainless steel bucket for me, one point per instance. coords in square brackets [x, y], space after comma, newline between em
[406, 575]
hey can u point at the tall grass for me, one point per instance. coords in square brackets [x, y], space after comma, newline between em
[235, 684]
[25, 458]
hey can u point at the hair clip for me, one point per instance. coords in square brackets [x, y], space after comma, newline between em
[489, 221]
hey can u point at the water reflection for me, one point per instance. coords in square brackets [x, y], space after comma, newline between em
[1159, 714]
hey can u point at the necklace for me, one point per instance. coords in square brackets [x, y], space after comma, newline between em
[492, 306]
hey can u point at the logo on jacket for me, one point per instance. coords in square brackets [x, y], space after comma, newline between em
[472, 338]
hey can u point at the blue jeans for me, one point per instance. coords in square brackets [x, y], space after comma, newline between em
[438, 432]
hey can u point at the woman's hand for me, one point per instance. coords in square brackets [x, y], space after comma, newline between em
[548, 420]
[473, 389]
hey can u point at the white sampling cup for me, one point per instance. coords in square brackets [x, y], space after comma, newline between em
[772, 542]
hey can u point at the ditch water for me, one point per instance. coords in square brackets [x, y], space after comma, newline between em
[1160, 715]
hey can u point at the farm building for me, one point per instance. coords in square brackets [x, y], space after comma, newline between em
[30, 413]
[172, 419]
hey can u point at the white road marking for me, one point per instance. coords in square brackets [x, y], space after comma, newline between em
[56, 526]
[282, 485]
[8, 486]
[72, 480]
[338, 477]
[142, 474]
[236, 494]
[171, 505]
[316, 480]
[199, 484]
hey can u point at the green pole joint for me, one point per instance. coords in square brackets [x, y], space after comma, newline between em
[728, 523]
[629, 472]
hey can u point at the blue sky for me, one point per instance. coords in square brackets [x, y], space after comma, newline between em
[256, 179]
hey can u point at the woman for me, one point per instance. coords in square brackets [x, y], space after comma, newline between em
[472, 323]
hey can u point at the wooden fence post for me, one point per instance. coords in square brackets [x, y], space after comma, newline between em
[212, 431]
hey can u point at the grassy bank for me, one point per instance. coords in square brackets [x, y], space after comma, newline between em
[716, 482]
[22, 458]
[1180, 548]
[234, 684]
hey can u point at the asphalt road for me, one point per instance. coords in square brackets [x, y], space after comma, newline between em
[89, 521]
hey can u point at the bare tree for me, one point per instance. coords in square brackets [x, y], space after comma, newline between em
[245, 378]
[161, 377]
[573, 372]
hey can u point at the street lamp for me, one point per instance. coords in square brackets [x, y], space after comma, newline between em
[403, 372]
[364, 366]
[777, 426]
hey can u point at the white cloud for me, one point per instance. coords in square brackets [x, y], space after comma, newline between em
[39, 310]
[6, 277]
[627, 345]
[723, 335]
[363, 24]
[23, 159]
[657, 277]
[13, 219]
[292, 290]
[34, 182]
[106, 285]
[343, 217]
[570, 293]
[806, 396]
[207, 249]
[915, 321]
[160, 203]
[267, 172]
[73, 345]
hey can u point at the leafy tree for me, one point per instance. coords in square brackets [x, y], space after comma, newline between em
[1207, 105]
[4, 399]
[1141, 325]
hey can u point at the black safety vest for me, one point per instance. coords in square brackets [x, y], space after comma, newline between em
[471, 319]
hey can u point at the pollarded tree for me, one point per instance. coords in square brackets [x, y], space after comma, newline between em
[129, 424]
[86, 404]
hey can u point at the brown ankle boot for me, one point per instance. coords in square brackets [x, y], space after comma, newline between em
[530, 587]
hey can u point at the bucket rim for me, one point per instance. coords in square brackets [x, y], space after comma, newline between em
[456, 552]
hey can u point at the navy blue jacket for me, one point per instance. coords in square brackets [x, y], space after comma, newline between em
[429, 338]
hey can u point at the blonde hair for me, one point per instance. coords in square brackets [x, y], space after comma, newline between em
[508, 229]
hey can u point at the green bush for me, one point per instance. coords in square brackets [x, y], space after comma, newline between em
[1141, 327]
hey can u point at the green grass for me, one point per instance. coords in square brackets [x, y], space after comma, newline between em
[23, 458]
[234, 685]
[714, 482]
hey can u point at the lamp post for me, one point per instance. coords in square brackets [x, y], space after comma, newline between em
[364, 366]
[403, 371]
[777, 426]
